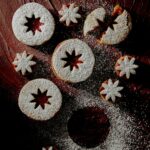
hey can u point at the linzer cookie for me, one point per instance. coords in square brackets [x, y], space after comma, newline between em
[73, 61]
[113, 31]
[40, 99]
[33, 24]
[69, 13]
[125, 66]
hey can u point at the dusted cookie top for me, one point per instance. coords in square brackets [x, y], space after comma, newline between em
[23, 62]
[125, 66]
[91, 21]
[110, 90]
[40, 99]
[120, 30]
[69, 14]
[73, 61]
[115, 31]
[33, 24]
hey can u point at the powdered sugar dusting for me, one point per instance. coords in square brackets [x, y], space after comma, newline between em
[126, 66]
[124, 133]
[69, 14]
[123, 130]
[111, 90]
[19, 24]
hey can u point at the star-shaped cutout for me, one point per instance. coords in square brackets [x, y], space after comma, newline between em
[109, 23]
[40, 99]
[23, 62]
[72, 60]
[111, 90]
[126, 66]
[33, 24]
[69, 14]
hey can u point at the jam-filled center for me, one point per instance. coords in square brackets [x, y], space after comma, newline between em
[72, 60]
[33, 24]
[40, 99]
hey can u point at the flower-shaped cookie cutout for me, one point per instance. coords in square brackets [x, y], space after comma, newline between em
[69, 14]
[120, 30]
[125, 66]
[23, 62]
[49, 148]
[40, 99]
[110, 90]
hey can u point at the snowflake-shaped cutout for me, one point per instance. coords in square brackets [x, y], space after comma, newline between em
[23, 62]
[69, 14]
[49, 148]
[111, 90]
[126, 66]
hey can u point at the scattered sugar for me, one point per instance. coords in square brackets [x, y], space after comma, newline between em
[123, 131]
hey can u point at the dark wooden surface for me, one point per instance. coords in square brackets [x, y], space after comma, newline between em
[16, 128]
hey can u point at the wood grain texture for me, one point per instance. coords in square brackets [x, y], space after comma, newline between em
[137, 45]
[10, 45]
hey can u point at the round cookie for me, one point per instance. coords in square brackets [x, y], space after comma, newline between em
[73, 61]
[33, 24]
[40, 99]
[115, 31]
